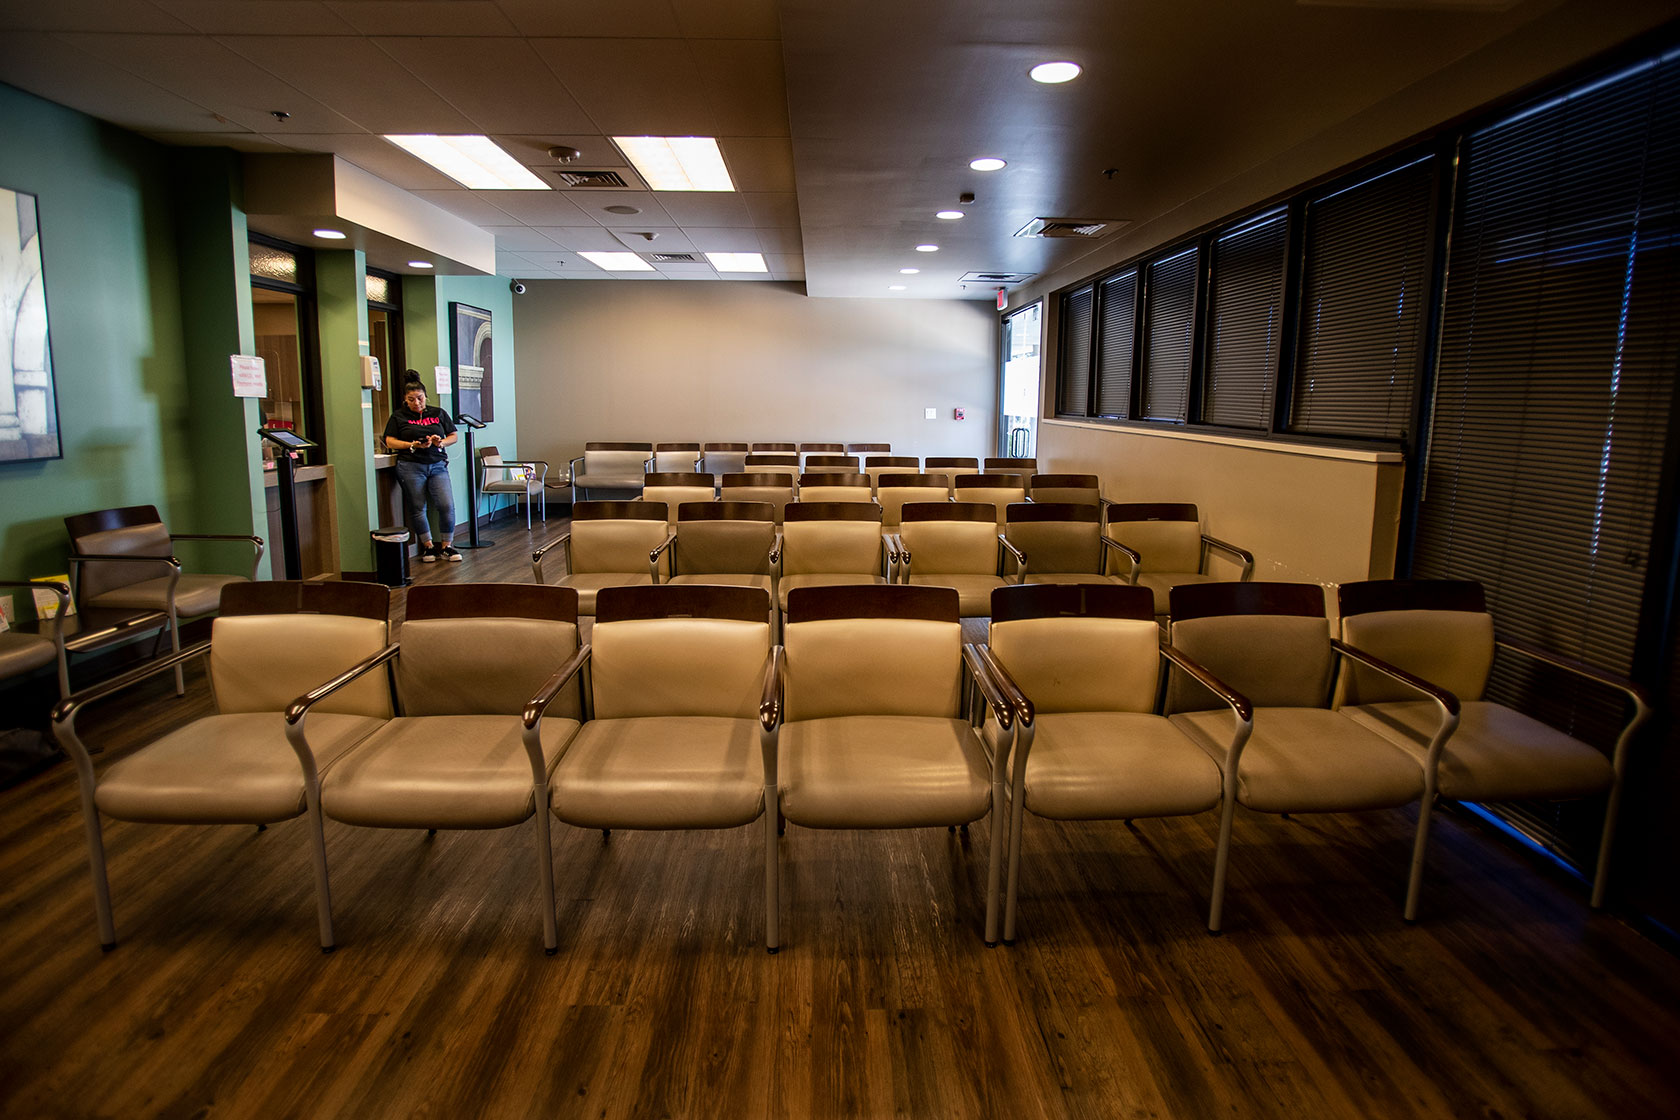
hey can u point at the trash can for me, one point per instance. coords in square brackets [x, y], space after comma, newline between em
[390, 554]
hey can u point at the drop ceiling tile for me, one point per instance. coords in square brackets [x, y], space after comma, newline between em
[139, 16]
[704, 208]
[759, 163]
[667, 239]
[424, 17]
[625, 18]
[781, 241]
[505, 260]
[499, 84]
[579, 239]
[355, 78]
[373, 154]
[477, 207]
[728, 19]
[715, 240]
[519, 239]
[683, 270]
[531, 149]
[633, 87]
[47, 67]
[744, 83]
[272, 17]
[595, 203]
[777, 210]
[537, 208]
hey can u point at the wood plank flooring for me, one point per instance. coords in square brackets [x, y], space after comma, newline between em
[1509, 999]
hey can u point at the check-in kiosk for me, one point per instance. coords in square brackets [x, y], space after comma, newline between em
[287, 444]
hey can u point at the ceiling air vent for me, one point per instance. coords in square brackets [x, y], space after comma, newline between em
[1070, 227]
[1007, 278]
[670, 258]
[597, 180]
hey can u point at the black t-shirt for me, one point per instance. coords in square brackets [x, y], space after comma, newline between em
[408, 427]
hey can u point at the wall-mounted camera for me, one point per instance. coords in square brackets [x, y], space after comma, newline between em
[517, 287]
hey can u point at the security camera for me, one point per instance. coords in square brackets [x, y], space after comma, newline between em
[517, 287]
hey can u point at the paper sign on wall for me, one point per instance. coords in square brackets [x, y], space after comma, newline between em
[440, 374]
[250, 376]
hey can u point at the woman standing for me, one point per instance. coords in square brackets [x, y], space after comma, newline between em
[418, 433]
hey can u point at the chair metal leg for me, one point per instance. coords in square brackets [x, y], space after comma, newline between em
[1221, 858]
[772, 880]
[545, 876]
[318, 844]
[1420, 843]
[96, 864]
[1017, 817]
[994, 862]
[175, 647]
[1601, 870]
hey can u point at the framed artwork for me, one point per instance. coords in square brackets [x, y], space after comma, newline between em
[474, 370]
[28, 404]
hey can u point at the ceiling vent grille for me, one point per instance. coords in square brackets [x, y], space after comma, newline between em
[1069, 227]
[1007, 278]
[592, 180]
[670, 258]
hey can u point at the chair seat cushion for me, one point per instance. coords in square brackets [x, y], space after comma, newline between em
[827, 579]
[882, 772]
[586, 584]
[225, 769]
[1309, 760]
[1109, 765]
[512, 486]
[441, 772]
[1496, 754]
[194, 594]
[1068, 577]
[609, 481]
[662, 772]
[20, 653]
[1162, 583]
[974, 592]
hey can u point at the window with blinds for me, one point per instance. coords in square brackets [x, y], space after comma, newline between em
[1073, 378]
[1169, 325]
[1245, 313]
[1116, 344]
[1560, 341]
[1364, 295]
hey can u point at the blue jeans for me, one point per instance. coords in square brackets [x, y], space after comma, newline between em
[423, 481]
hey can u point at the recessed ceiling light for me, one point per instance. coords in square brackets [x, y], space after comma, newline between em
[908, 271]
[987, 163]
[738, 262]
[420, 264]
[677, 163]
[1054, 73]
[617, 262]
[622, 210]
[473, 161]
[927, 248]
[895, 287]
[949, 215]
[331, 234]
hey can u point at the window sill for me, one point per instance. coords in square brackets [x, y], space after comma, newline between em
[1274, 446]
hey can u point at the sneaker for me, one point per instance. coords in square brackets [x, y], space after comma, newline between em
[449, 553]
[428, 554]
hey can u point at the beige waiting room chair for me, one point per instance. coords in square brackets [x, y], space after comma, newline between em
[125, 559]
[775, 449]
[951, 544]
[1082, 488]
[679, 458]
[511, 478]
[611, 544]
[476, 736]
[1165, 548]
[1083, 667]
[869, 449]
[882, 707]
[617, 468]
[876, 466]
[271, 644]
[1441, 631]
[1280, 747]
[950, 466]
[829, 544]
[22, 652]
[1022, 469]
[807, 451]
[676, 487]
[893, 490]
[835, 488]
[1000, 490]
[726, 544]
[829, 464]
[724, 458]
[776, 489]
[682, 724]
[1059, 542]
[784, 463]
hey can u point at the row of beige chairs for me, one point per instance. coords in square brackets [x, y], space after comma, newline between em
[870, 713]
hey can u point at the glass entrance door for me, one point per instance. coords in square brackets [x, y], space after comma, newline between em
[1020, 392]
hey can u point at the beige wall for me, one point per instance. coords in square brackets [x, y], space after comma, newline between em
[1311, 515]
[706, 361]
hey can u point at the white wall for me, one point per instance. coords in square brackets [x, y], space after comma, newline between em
[675, 361]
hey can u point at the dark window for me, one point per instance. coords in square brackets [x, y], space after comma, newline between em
[1364, 291]
[1169, 323]
[1074, 382]
[1116, 345]
[1245, 318]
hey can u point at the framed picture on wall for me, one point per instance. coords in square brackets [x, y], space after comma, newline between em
[28, 404]
[470, 354]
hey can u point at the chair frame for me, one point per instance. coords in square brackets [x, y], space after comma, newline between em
[572, 467]
[601, 511]
[1169, 511]
[536, 482]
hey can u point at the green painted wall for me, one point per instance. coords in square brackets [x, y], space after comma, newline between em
[342, 324]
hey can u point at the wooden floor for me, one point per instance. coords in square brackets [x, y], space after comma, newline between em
[1508, 1000]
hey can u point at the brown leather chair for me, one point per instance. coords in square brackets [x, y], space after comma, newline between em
[1165, 547]
[1441, 631]
[1058, 542]
[682, 687]
[1268, 722]
[470, 747]
[951, 544]
[1083, 667]
[829, 544]
[882, 707]
[611, 544]
[272, 644]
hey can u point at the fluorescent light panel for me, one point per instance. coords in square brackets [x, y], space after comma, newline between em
[738, 262]
[677, 163]
[617, 262]
[473, 161]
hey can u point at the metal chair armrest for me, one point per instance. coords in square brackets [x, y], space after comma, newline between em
[537, 706]
[563, 539]
[297, 709]
[997, 699]
[1241, 554]
[67, 708]
[1241, 707]
[1642, 710]
[1132, 556]
[257, 542]
[898, 557]
[653, 557]
[1446, 701]
[82, 558]
[770, 711]
[1020, 557]
[60, 589]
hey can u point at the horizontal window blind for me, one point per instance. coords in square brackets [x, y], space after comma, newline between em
[1074, 363]
[1169, 324]
[1116, 344]
[1245, 310]
[1365, 283]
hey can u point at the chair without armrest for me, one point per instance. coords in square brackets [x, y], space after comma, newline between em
[682, 458]
[610, 466]
[516, 479]
[611, 544]
[271, 643]
[679, 680]
[1062, 542]
[776, 489]
[1441, 631]
[825, 487]
[881, 709]
[1001, 490]
[674, 488]
[1166, 547]
[830, 544]
[1083, 666]
[469, 660]
[952, 544]
[1268, 723]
